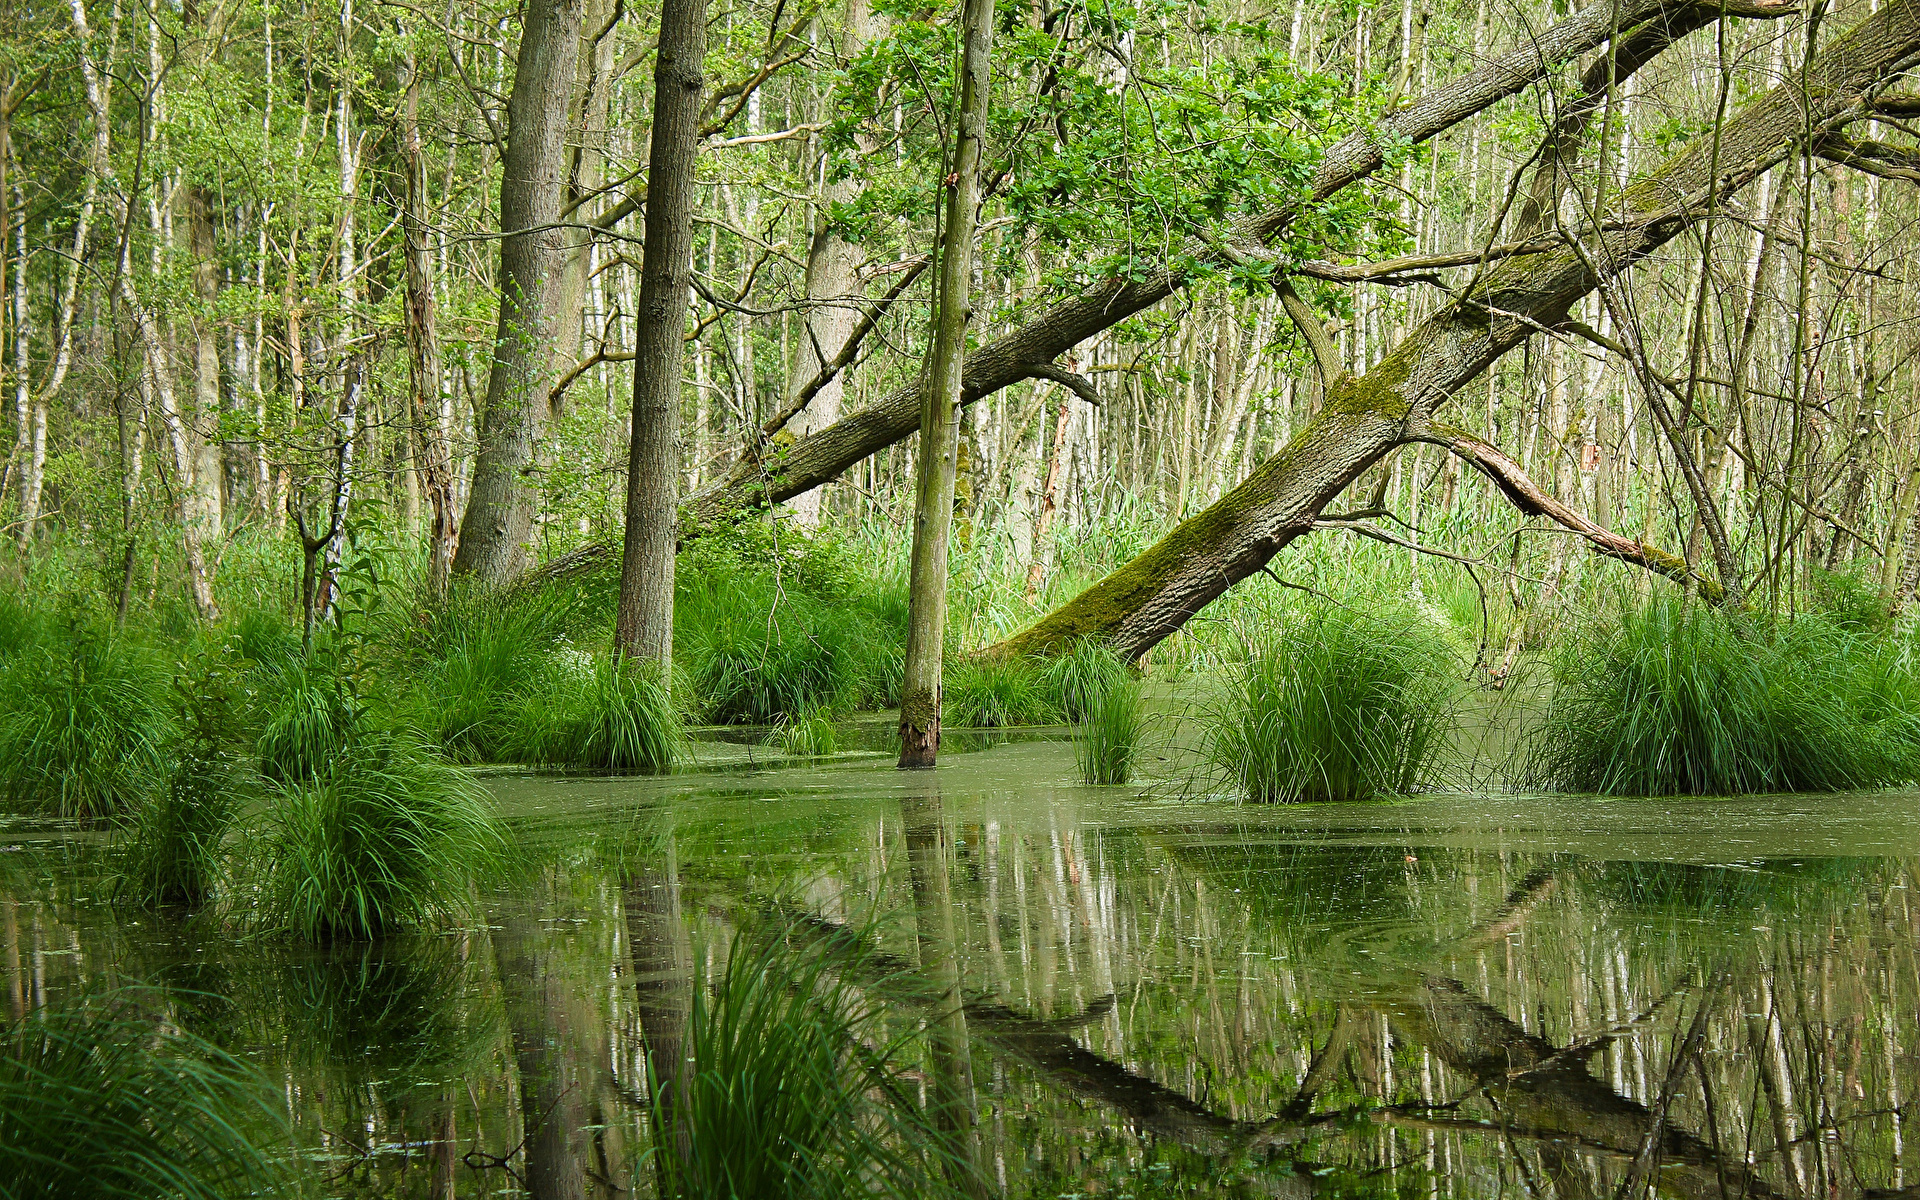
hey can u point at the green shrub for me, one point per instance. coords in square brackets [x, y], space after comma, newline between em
[1337, 706]
[992, 693]
[794, 1087]
[83, 727]
[608, 714]
[1675, 698]
[1097, 684]
[387, 835]
[103, 1098]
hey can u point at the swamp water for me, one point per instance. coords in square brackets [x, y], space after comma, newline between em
[1452, 995]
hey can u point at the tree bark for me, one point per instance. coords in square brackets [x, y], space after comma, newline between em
[939, 428]
[1152, 596]
[499, 517]
[643, 628]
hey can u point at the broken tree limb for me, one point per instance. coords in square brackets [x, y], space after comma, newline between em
[1530, 498]
[1151, 597]
[1306, 322]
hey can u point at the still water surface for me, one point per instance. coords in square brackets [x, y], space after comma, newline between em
[1454, 995]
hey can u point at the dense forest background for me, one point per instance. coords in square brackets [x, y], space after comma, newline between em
[253, 272]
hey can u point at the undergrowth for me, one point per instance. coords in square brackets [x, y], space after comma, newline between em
[1675, 698]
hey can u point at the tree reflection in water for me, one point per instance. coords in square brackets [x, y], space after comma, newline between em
[1109, 999]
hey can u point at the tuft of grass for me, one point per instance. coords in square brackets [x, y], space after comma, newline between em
[1098, 686]
[83, 727]
[387, 835]
[313, 716]
[794, 1087]
[105, 1098]
[486, 655]
[173, 855]
[992, 693]
[608, 714]
[760, 646]
[810, 734]
[1679, 699]
[1336, 706]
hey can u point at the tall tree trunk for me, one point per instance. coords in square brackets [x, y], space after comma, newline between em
[1049, 501]
[643, 628]
[939, 430]
[431, 437]
[1152, 596]
[499, 516]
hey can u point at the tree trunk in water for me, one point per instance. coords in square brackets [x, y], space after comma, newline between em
[643, 628]
[431, 437]
[939, 430]
[499, 516]
[1152, 596]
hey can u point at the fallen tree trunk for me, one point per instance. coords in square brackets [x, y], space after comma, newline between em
[1028, 352]
[1149, 598]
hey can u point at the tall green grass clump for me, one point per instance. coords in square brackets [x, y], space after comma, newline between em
[1337, 705]
[83, 724]
[809, 734]
[482, 659]
[793, 1087]
[1675, 698]
[387, 835]
[1103, 697]
[769, 624]
[102, 1098]
[313, 714]
[608, 713]
[994, 693]
[173, 855]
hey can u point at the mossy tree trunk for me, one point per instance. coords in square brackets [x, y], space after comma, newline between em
[644, 626]
[1151, 597]
[939, 424]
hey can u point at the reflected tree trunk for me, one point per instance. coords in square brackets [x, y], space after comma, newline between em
[663, 987]
[950, 1052]
[551, 1017]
